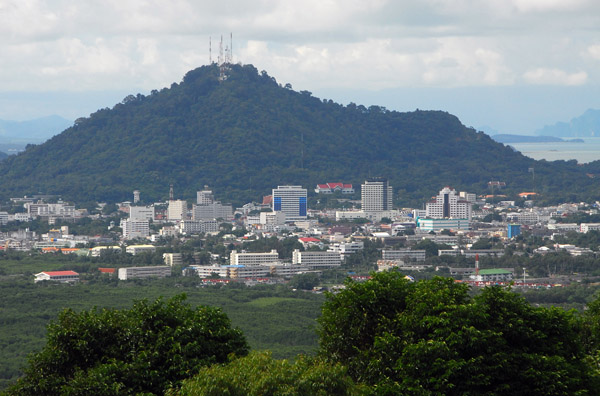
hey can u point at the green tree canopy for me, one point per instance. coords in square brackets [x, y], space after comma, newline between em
[259, 374]
[145, 349]
[432, 337]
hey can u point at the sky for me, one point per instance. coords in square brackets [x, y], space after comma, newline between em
[512, 66]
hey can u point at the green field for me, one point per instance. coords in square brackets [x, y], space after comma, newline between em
[271, 317]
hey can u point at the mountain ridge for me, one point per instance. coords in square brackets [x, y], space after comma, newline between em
[248, 134]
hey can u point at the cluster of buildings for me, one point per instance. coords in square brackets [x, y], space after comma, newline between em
[452, 218]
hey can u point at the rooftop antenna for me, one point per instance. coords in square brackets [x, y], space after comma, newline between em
[171, 192]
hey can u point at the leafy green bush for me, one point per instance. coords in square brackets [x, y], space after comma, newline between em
[145, 349]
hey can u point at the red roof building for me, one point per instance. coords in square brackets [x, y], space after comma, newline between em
[330, 188]
[57, 276]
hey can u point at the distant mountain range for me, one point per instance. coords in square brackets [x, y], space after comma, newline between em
[246, 134]
[507, 138]
[32, 131]
[586, 125]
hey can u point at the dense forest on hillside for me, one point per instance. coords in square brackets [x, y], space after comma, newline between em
[247, 134]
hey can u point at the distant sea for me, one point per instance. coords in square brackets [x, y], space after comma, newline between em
[582, 152]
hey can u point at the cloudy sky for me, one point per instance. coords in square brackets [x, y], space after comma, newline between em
[512, 65]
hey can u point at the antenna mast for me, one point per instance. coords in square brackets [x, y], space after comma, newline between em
[171, 192]
[209, 50]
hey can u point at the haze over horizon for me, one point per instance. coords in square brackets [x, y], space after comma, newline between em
[513, 65]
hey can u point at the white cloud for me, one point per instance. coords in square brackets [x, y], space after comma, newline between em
[555, 77]
[378, 44]
[594, 51]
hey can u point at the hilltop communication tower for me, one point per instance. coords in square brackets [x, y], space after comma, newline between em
[225, 58]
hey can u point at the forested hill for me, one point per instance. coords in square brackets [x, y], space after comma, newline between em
[248, 134]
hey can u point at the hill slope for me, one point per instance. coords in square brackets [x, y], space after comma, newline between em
[248, 134]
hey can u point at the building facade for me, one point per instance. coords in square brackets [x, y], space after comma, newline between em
[141, 213]
[290, 200]
[135, 228]
[376, 195]
[316, 260]
[244, 258]
[177, 210]
[448, 204]
[157, 271]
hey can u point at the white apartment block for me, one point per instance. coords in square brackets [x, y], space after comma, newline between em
[346, 248]
[231, 271]
[316, 260]
[135, 228]
[46, 210]
[403, 254]
[3, 218]
[141, 213]
[447, 205]
[177, 210]
[250, 259]
[198, 226]
[443, 224]
[157, 271]
[376, 195]
[290, 200]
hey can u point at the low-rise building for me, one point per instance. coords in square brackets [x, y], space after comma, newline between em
[346, 248]
[250, 259]
[57, 276]
[96, 251]
[316, 259]
[136, 249]
[157, 271]
[493, 275]
[198, 226]
[403, 254]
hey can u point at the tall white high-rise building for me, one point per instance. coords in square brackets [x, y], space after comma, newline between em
[135, 228]
[376, 195]
[448, 205]
[290, 200]
[177, 210]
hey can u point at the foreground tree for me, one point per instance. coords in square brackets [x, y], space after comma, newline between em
[431, 337]
[145, 349]
[259, 374]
